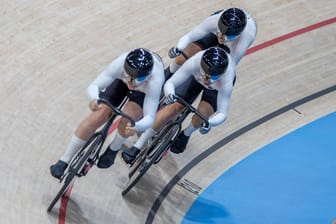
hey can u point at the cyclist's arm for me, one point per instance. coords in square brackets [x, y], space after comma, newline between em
[209, 25]
[223, 100]
[180, 76]
[105, 78]
[151, 100]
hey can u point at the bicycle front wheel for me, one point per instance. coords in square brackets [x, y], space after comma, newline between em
[160, 144]
[67, 183]
[90, 151]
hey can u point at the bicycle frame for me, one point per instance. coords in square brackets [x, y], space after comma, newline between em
[87, 156]
[177, 122]
[100, 136]
[162, 142]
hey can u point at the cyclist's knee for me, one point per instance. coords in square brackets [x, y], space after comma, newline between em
[89, 125]
[176, 107]
[103, 114]
[98, 118]
[205, 108]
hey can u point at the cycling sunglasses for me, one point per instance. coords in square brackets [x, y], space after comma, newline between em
[213, 77]
[230, 37]
[226, 37]
[138, 79]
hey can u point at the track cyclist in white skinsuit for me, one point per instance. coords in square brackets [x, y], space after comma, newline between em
[211, 72]
[232, 29]
[138, 72]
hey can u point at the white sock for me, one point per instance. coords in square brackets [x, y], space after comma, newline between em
[189, 130]
[117, 142]
[173, 67]
[144, 138]
[73, 147]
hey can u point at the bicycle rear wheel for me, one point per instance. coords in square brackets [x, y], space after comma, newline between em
[160, 144]
[89, 151]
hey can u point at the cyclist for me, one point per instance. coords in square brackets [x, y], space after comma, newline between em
[139, 73]
[211, 71]
[232, 29]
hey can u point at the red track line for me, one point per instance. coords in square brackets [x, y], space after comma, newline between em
[251, 50]
[290, 35]
[64, 203]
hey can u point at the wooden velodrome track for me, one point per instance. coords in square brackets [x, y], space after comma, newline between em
[52, 50]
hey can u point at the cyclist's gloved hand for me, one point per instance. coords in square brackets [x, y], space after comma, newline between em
[205, 128]
[174, 52]
[170, 99]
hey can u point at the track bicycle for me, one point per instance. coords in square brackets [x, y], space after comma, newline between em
[159, 145]
[89, 154]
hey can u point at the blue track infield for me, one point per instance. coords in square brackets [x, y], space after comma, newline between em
[290, 181]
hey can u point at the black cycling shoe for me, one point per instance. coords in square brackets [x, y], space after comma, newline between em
[180, 144]
[57, 170]
[107, 159]
[130, 154]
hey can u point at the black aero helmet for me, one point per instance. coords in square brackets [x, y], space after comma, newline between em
[214, 62]
[232, 22]
[138, 63]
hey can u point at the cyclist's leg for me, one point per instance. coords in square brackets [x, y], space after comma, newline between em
[188, 92]
[207, 106]
[161, 118]
[83, 132]
[89, 125]
[133, 108]
[164, 115]
[114, 93]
